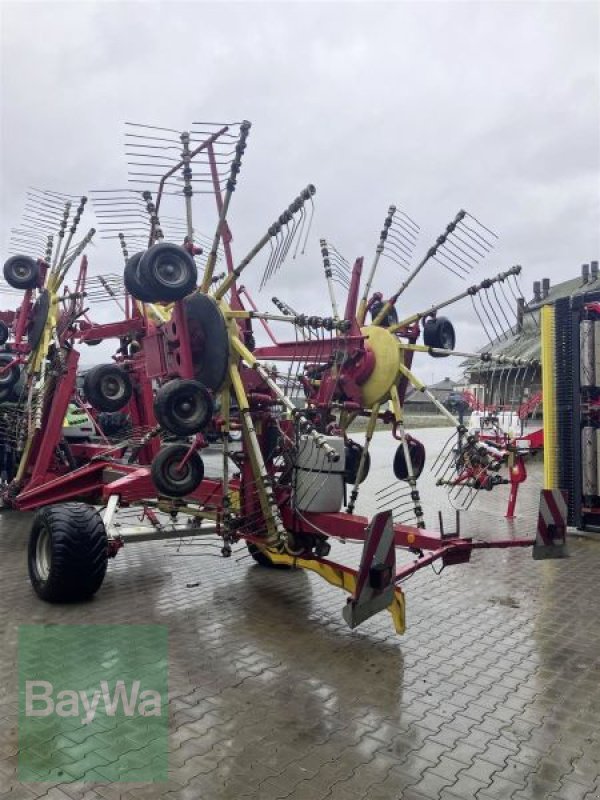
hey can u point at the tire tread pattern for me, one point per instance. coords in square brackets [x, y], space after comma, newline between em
[79, 552]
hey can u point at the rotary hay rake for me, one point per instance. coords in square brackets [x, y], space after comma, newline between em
[186, 361]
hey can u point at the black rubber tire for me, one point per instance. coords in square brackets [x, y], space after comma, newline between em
[164, 475]
[39, 317]
[168, 272]
[132, 283]
[17, 390]
[63, 450]
[67, 553]
[353, 454]
[183, 407]
[107, 387]
[209, 341]
[439, 333]
[272, 443]
[22, 272]
[115, 424]
[14, 393]
[264, 560]
[4, 332]
[417, 457]
[10, 378]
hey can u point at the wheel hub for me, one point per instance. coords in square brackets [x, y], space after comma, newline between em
[112, 388]
[176, 472]
[43, 555]
[185, 408]
[171, 272]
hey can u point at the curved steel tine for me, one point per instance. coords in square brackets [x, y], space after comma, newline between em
[482, 226]
[309, 226]
[445, 266]
[452, 246]
[302, 221]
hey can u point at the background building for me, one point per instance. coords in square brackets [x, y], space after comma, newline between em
[493, 384]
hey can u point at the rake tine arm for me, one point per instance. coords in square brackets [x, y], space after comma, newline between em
[328, 276]
[472, 290]
[273, 231]
[229, 190]
[61, 232]
[430, 253]
[362, 309]
[73, 229]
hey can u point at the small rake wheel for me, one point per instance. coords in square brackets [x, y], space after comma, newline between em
[168, 271]
[22, 272]
[353, 456]
[172, 479]
[417, 458]
[132, 283]
[183, 407]
[439, 333]
[107, 387]
[14, 393]
[9, 378]
[115, 424]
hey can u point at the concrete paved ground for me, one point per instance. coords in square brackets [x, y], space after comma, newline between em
[494, 691]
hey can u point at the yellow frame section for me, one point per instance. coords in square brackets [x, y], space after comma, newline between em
[343, 580]
[549, 395]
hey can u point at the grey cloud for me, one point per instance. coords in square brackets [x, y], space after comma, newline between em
[493, 107]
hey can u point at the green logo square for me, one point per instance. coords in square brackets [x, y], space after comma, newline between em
[93, 703]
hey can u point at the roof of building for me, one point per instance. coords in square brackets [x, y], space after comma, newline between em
[439, 390]
[526, 343]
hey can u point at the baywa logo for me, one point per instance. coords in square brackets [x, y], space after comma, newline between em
[93, 703]
[40, 702]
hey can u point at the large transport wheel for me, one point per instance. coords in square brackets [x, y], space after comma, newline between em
[169, 478]
[68, 552]
[183, 407]
[168, 272]
[132, 283]
[439, 333]
[22, 272]
[263, 560]
[107, 387]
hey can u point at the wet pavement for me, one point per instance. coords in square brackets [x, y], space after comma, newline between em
[493, 692]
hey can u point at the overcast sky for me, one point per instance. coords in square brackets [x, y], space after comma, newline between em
[491, 107]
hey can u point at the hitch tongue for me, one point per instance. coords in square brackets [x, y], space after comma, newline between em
[375, 580]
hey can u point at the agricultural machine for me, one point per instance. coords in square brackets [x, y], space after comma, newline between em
[187, 362]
